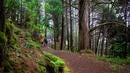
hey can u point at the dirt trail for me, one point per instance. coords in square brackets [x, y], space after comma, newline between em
[82, 63]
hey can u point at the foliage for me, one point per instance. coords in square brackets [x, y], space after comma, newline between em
[7, 65]
[118, 49]
[115, 60]
[54, 11]
[11, 4]
[54, 7]
[28, 45]
[31, 44]
[41, 68]
[40, 62]
[10, 32]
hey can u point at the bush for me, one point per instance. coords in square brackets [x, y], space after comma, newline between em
[118, 49]
[115, 60]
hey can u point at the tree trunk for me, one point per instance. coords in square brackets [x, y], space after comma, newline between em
[71, 28]
[96, 43]
[62, 30]
[83, 25]
[2, 16]
[125, 16]
[102, 45]
[56, 30]
[67, 27]
[2, 29]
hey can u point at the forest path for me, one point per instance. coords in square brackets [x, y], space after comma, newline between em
[81, 63]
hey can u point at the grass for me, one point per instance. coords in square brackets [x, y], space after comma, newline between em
[115, 62]
[116, 67]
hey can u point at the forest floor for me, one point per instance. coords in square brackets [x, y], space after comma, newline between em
[86, 63]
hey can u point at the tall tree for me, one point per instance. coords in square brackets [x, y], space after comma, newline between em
[67, 25]
[71, 28]
[83, 25]
[62, 30]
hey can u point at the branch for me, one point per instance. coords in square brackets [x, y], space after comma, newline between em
[71, 5]
[106, 23]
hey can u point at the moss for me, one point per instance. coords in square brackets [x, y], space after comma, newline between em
[3, 39]
[40, 62]
[41, 69]
[9, 28]
[10, 33]
[57, 63]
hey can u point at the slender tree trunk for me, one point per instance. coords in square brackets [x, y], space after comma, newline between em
[45, 31]
[67, 26]
[62, 31]
[21, 13]
[102, 45]
[56, 30]
[71, 28]
[96, 43]
[125, 16]
[83, 25]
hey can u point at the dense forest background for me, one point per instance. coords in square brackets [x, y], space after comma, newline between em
[98, 26]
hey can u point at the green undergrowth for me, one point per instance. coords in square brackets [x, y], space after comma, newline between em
[31, 44]
[115, 62]
[57, 62]
[42, 68]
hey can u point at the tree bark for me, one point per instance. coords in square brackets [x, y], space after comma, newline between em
[67, 26]
[102, 45]
[71, 28]
[2, 29]
[83, 25]
[56, 29]
[2, 16]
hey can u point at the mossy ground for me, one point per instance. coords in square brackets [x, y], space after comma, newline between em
[24, 54]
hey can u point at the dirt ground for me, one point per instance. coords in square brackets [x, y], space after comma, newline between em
[85, 64]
